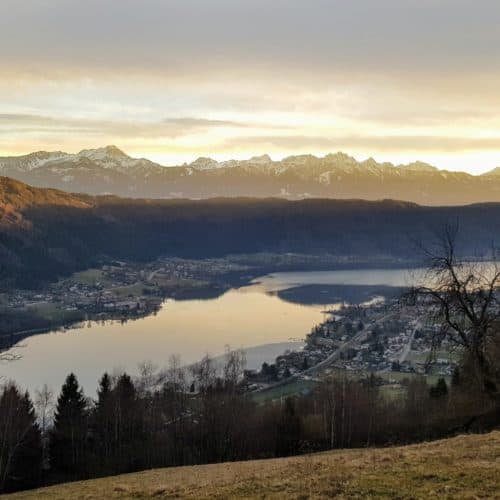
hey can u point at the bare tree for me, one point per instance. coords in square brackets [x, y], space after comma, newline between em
[234, 366]
[44, 404]
[464, 295]
[148, 380]
[175, 375]
[204, 373]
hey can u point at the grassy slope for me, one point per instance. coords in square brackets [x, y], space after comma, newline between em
[461, 467]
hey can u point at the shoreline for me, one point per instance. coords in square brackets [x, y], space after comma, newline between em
[215, 287]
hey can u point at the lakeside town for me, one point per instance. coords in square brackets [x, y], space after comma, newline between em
[388, 338]
[383, 335]
[122, 290]
[123, 286]
[118, 290]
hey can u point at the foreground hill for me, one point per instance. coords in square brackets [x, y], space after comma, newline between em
[62, 233]
[461, 467]
[109, 170]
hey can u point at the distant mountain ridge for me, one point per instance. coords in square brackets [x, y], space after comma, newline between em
[109, 170]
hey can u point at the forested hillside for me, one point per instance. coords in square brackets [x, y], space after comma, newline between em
[62, 233]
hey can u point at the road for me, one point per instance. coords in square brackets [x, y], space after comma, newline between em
[346, 346]
[406, 349]
[152, 274]
[334, 356]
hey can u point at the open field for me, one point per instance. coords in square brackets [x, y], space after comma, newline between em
[55, 314]
[300, 386]
[462, 467]
[88, 277]
[282, 391]
[129, 291]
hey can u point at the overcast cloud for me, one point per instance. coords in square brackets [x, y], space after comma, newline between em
[412, 79]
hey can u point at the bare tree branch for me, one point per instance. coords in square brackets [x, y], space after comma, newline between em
[463, 296]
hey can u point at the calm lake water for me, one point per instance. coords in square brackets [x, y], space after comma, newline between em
[251, 317]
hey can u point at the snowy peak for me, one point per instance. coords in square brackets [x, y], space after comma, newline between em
[106, 156]
[109, 158]
[337, 175]
[204, 163]
[493, 173]
[260, 160]
[29, 162]
[419, 166]
[105, 153]
[339, 157]
[299, 159]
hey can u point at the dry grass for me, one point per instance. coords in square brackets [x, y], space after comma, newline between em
[462, 467]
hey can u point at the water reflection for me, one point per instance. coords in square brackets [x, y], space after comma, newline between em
[190, 328]
[245, 317]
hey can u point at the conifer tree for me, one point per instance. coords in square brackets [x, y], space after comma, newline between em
[69, 435]
[288, 429]
[102, 425]
[20, 442]
[126, 423]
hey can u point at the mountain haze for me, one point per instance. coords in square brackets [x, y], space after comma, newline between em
[109, 170]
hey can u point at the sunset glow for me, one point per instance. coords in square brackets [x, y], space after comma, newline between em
[172, 81]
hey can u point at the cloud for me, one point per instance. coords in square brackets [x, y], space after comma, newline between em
[417, 76]
[169, 127]
[202, 122]
[20, 119]
[198, 37]
[380, 144]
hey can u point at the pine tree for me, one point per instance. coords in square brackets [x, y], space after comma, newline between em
[456, 378]
[102, 422]
[440, 389]
[288, 430]
[20, 442]
[104, 390]
[69, 435]
[127, 424]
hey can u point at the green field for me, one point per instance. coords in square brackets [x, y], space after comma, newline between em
[292, 389]
[130, 291]
[55, 314]
[88, 277]
[422, 357]
[399, 377]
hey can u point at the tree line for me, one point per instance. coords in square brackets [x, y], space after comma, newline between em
[175, 417]
[205, 414]
[59, 240]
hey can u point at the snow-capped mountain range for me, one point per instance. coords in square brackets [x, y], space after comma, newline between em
[109, 170]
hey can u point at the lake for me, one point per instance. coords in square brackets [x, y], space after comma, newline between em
[258, 318]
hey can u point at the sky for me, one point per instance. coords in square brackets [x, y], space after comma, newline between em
[172, 80]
